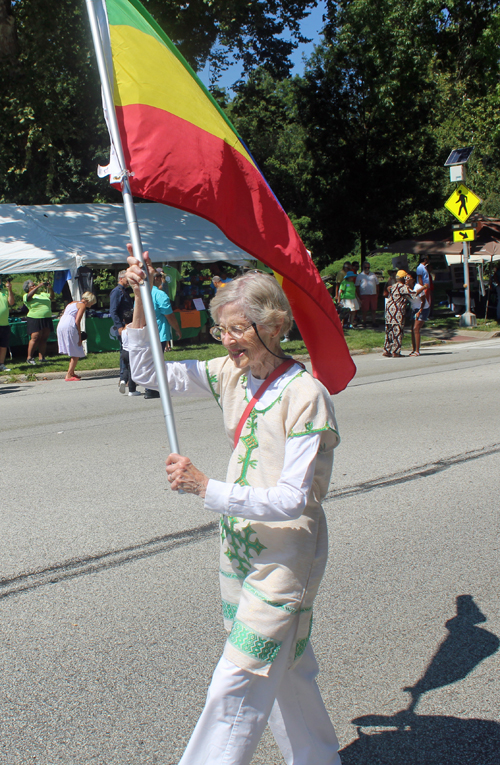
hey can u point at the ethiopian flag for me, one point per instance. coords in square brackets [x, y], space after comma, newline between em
[180, 149]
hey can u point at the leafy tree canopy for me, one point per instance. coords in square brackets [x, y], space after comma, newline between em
[354, 149]
[52, 133]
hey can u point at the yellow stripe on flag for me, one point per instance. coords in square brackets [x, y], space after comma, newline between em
[147, 72]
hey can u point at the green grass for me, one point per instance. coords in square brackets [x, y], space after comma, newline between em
[378, 263]
[367, 339]
[486, 325]
[450, 322]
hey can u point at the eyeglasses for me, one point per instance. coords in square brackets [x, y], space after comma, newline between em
[236, 332]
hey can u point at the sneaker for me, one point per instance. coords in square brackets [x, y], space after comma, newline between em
[134, 393]
[3, 368]
[33, 362]
[151, 394]
[121, 386]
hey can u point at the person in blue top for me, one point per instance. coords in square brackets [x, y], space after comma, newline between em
[164, 319]
[423, 277]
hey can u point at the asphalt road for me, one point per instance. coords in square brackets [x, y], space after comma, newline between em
[109, 614]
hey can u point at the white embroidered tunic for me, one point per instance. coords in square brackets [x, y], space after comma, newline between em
[270, 571]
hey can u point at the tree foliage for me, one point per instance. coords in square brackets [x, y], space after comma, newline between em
[354, 149]
[52, 133]
[388, 93]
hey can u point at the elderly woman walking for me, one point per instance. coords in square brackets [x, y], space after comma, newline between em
[69, 334]
[281, 426]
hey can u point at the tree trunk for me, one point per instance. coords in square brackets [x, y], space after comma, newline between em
[9, 47]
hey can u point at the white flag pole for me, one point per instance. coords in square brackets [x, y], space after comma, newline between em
[133, 227]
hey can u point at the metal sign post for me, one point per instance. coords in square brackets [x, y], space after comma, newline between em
[467, 319]
[462, 204]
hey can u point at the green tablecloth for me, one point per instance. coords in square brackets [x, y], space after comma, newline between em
[100, 333]
[18, 334]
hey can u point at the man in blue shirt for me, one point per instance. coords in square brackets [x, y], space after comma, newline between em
[423, 277]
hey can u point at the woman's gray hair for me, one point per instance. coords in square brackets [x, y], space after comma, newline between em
[28, 285]
[260, 298]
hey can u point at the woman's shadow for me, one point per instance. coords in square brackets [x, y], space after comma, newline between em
[435, 740]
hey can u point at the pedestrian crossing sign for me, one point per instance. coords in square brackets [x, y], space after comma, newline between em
[462, 203]
[464, 235]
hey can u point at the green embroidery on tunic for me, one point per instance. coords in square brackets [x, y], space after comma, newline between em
[309, 429]
[278, 399]
[274, 604]
[250, 443]
[250, 642]
[282, 606]
[240, 545]
[231, 576]
[229, 610]
[212, 381]
[300, 646]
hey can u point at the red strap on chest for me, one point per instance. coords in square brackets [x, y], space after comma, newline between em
[265, 385]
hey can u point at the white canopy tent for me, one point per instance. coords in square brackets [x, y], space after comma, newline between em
[58, 237]
[487, 254]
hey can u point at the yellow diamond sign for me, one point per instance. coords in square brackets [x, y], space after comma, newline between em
[462, 203]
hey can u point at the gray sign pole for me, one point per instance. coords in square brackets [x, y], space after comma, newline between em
[133, 227]
[465, 249]
[467, 319]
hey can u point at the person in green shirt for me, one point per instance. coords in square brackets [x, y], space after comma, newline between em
[38, 300]
[349, 299]
[340, 278]
[6, 300]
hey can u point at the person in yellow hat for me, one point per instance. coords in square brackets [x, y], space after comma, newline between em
[398, 295]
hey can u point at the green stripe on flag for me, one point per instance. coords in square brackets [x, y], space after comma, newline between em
[133, 14]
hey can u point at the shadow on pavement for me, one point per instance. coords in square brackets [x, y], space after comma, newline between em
[424, 740]
[11, 388]
[424, 352]
[434, 740]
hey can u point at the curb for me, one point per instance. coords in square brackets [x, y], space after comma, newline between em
[84, 374]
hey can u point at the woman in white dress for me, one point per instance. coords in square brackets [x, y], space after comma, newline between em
[281, 426]
[69, 334]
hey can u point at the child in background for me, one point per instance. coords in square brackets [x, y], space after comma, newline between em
[349, 300]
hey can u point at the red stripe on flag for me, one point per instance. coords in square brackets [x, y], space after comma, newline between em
[174, 162]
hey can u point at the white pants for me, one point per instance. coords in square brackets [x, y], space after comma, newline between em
[240, 703]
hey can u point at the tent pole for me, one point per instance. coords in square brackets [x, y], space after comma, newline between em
[133, 228]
